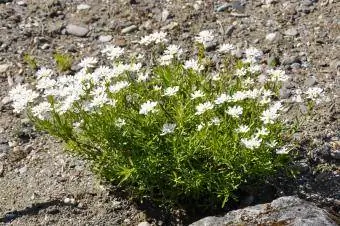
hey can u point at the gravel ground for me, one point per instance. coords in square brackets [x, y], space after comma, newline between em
[42, 185]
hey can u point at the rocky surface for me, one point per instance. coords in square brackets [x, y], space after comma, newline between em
[286, 210]
[41, 184]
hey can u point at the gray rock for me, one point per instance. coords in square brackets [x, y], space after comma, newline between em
[4, 148]
[23, 170]
[22, 3]
[307, 2]
[310, 81]
[336, 154]
[6, 100]
[45, 46]
[105, 38]
[291, 32]
[288, 60]
[165, 15]
[144, 223]
[129, 29]
[273, 37]
[76, 30]
[82, 7]
[295, 65]
[230, 30]
[170, 26]
[223, 7]
[1, 169]
[4, 68]
[288, 210]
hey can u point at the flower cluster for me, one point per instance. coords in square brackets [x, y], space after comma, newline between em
[174, 120]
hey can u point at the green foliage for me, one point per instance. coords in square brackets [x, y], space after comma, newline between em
[189, 165]
[63, 61]
[31, 61]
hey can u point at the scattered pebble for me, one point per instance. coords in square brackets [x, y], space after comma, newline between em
[144, 223]
[223, 7]
[165, 15]
[291, 32]
[22, 3]
[105, 38]
[129, 29]
[4, 68]
[273, 37]
[23, 170]
[76, 30]
[82, 7]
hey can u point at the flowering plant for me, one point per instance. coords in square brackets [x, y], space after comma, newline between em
[173, 130]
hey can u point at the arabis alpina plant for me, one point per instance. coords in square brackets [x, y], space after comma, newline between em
[173, 130]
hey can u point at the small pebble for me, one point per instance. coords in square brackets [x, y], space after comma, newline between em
[144, 223]
[291, 32]
[76, 30]
[105, 38]
[129, 29]
[83, 7]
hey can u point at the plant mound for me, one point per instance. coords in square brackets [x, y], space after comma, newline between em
[174, 130]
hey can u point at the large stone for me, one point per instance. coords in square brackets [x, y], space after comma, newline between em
[77, 30]
[288, 210]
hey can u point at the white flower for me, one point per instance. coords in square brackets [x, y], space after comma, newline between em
[157, 88]
[157, 37]
[262, 132]
[215, 121]
[45, 83]
[262, 78]
[215, 77]
[201, 108]
[251, 143]
[118, 86]
[222, 99]
[272, 144]
[120, 122]
[41, 110]
[239, 95]
[282, 151]
[226, 48]
[248, 82]
[242, 129]
[113, 52]
[165, 60]
[173, 50]
[147, 107]
[102, 72]
[314, 93]
[21, 96]
[241, 72]
[253, 94]
[88, 62]
[171, 91]
[254, 68]
[44, 72]
[100, 97]
[134, 67]
[267, 93]
[270, 115]
[253, 55]
[143, 77]
[168, 128]
[197, 94]
[194, 65]
[277, 75]
[200, 127]
[235, 111]
[205, 37]
[297, 98]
